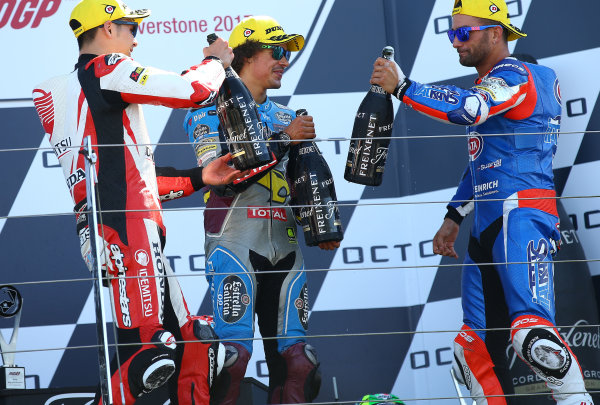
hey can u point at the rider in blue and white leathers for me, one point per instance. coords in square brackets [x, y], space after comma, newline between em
[512, 115]
[254, 264]
[235, 237]
[250, 239]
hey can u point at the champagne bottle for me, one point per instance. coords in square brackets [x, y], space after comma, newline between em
[312, 185]
[244, 132]
[374, 119]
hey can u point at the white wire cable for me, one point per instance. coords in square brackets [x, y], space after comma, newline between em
[337, 139]
[339, 204]
[314, 336]
[202, 273]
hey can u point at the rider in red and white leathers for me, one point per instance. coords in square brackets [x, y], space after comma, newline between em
[101, 98]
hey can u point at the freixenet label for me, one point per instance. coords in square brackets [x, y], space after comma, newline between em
[366, 152]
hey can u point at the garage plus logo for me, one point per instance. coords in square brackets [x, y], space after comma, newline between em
[24, 13]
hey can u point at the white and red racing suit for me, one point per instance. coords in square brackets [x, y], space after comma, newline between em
[101, 98]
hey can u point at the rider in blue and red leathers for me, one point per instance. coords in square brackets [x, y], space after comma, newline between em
[512, 115]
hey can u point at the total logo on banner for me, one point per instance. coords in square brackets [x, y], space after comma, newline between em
[26, 13]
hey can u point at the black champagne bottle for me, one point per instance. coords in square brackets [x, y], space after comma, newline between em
[374, 119]
[244, 132]
[314, 191]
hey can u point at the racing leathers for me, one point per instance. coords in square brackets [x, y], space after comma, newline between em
[101, 98]
[512, 115]
[250, 230]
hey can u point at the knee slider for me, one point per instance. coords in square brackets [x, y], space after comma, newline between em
[545, 352]
[152, 366]
[236, 359]
[302, 366]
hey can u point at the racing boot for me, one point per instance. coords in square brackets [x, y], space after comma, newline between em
[147, 369]
[474, 368]
[199, 361]
[303, 378]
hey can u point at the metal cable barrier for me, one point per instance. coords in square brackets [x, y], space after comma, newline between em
[103, 346]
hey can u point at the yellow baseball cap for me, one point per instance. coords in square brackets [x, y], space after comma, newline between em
[496, 10]
[89, 14]
[265, 30]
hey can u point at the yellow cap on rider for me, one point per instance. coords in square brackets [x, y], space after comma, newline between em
[88, 14]
[265, 30]
[495, 10]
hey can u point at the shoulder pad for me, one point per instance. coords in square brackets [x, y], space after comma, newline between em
[281, 113]
[509, 65]
[197, 114]
[113, 58]
[105, 64]
[202, 120]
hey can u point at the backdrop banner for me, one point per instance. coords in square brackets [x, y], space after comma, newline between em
[376, 300]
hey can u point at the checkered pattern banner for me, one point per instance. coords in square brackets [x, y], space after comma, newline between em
[384, 277]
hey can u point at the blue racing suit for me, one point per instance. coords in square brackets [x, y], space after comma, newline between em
[250, 229]
[512, 115]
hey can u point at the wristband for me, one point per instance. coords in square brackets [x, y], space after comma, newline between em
[214, 58]
[285, 137]
[401, 88]
[454, 215]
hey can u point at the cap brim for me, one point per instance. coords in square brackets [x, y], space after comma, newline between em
[514, 33]
[137, 15]
[295, 42]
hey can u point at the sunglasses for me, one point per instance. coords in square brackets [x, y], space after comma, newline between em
[462, 33]
[278, 52]
[125, 22]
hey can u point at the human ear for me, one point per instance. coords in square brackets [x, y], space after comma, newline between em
[107, 27]
[498, 33]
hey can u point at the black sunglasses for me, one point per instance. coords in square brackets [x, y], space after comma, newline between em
[278, 52]
[125, 22]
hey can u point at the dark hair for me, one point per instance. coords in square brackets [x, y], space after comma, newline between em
[242, 52]
[85, 37]
[486, 21]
